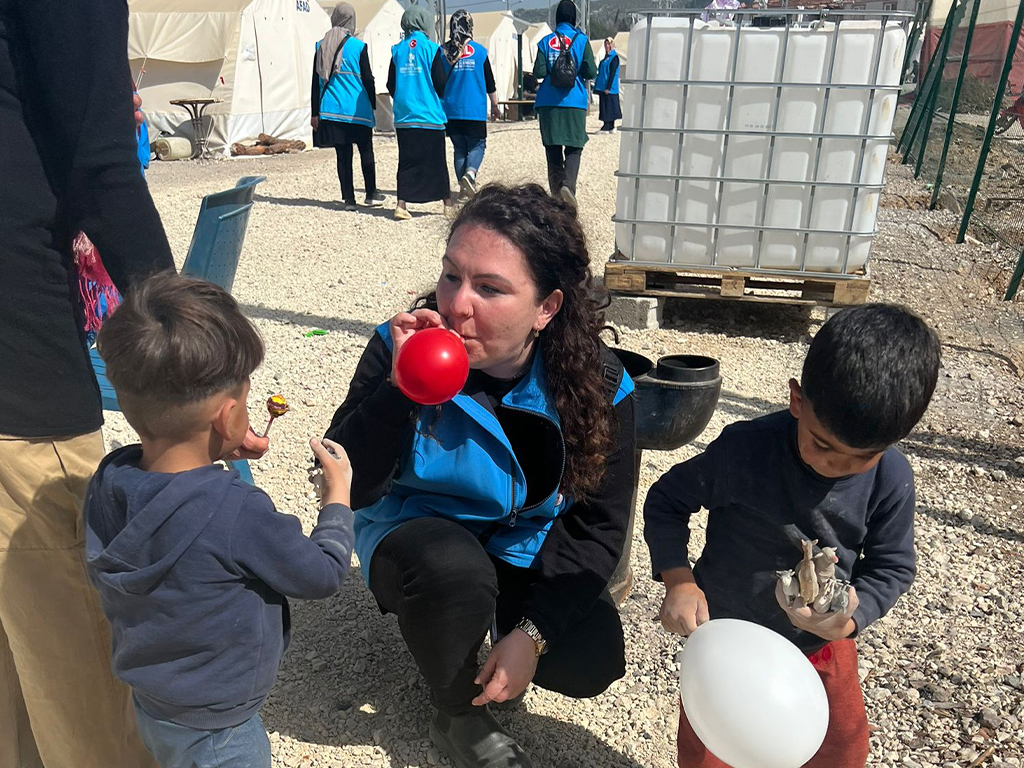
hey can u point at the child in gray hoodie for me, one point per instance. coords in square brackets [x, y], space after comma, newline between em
[194, 566]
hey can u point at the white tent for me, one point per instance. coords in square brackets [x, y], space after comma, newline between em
[256, 56]
[533, 35]
[496, 31]
[379, 25]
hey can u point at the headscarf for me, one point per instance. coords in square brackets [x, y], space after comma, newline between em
[566, 13]
[343, 26]
[417, 19]
[460, 28]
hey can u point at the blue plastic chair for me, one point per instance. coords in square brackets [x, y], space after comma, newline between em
[213, 255]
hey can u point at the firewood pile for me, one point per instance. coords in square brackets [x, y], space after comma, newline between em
[268, 145]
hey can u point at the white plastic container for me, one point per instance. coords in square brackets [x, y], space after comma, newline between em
[679, 157]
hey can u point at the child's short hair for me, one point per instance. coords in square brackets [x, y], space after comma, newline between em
[174, 342]
[870, 373]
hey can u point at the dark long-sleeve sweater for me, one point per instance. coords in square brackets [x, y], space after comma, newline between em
[67, 133]
[583, 546]
[365, 74]
[762, 500]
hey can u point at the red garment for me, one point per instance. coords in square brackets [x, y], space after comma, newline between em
[96, 290]
[846, 740]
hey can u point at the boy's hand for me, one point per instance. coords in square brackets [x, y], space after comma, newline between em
[253, 447]
[337, 481]
[827, 626]
[684, 608]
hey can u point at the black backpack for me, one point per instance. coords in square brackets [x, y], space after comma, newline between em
[565, 69]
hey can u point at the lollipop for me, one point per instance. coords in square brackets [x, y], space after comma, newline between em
[276, 406]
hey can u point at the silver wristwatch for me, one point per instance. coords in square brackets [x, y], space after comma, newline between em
[538, 639]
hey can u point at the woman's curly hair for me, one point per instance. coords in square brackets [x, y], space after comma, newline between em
[547, 231]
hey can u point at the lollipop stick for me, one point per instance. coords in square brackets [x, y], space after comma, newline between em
[268, 425]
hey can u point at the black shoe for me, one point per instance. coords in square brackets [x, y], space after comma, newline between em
[375, 198]
[476, 741]
[350, 205]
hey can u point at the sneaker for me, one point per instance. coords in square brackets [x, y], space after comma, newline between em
[374, 199]
[476, 741]
[566, 194]
[468, 184]
[401, 214]
[350, 205]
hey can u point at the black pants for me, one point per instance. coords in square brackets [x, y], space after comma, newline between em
[345, 176]
[445, 589]
[562, 171]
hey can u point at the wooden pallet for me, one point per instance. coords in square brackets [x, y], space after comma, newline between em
[673, 280]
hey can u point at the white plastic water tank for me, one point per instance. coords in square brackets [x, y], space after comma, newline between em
[684, 156]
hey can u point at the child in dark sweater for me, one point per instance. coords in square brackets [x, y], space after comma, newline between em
[825, 470]
[193, 565]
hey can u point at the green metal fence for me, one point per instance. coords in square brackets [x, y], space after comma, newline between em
[964, 137]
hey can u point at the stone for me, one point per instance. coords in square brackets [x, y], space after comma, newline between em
[635, 312]
[989, 718]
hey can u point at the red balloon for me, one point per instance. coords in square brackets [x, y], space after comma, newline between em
[432, 366]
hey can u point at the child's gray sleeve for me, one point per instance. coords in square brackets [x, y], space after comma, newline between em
[679, 493]
[888, 563]
[271, 546]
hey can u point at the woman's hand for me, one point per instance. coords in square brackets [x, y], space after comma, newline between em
[337, 482]
[314, 122]
[827, 626]
[137, 102]
[509, 668]
[405, 324]
[253, 447]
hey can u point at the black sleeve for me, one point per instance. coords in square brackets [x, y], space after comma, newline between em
[674, 497]
[92, 122]
[366, 75]
[887, 565]
[489, 85]
[584, 545]
[373, 424]
[439, 72]
[613, 71]
[314, 93]
[391, 78]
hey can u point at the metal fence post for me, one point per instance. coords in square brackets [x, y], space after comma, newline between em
[929, 112]
[1018, 273]
[953, 105]
[1004, 78]
[925, 88]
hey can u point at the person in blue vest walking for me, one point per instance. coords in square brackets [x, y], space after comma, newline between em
[562, 112]
[416, 82]
[342, 102]
[606, 86]
[470, 85]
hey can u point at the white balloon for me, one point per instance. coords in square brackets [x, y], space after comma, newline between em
[751, 696]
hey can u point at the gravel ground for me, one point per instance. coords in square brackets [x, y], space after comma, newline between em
[942, 672]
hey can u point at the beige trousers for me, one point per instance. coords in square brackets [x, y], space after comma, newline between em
[60, 705]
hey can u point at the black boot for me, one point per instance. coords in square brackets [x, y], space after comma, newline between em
[476, 741]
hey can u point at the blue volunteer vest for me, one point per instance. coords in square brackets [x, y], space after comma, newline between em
[460, 465]
[345, 100]
[465, 94]
[417, 104]
[549, 48]
[603, 81]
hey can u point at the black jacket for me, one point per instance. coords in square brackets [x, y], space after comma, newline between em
[68, 162]
[583, 546]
